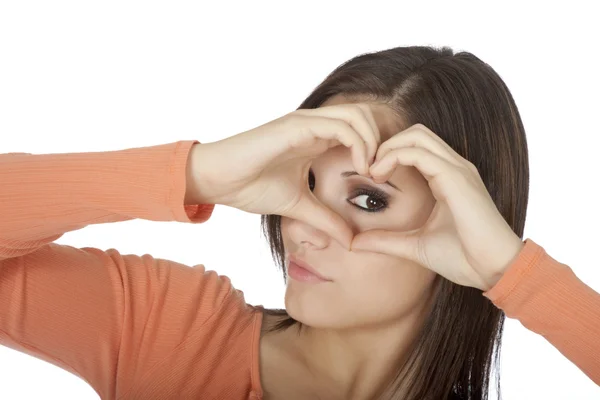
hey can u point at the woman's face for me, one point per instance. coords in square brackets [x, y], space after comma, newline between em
[366, 289]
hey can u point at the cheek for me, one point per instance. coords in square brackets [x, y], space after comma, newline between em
[373, 289]
[402, 285]
[389, 287]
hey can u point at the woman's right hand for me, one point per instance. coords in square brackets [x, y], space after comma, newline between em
[265, 170]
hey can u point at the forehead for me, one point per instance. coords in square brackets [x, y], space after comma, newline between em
[387, 121]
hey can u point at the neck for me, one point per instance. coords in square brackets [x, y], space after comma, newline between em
[356, 363]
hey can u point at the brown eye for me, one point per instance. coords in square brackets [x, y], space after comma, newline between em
[374, 200]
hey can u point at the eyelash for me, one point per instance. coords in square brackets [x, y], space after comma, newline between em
[378, 195]
[375, 194]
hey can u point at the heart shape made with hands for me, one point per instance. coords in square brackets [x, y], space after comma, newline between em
[465, 239]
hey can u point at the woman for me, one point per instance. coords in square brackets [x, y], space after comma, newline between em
[401, 182]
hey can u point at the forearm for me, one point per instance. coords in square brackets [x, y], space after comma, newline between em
[548, 298]
[49, 194]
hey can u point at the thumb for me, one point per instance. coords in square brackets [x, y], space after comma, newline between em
[398, 244]
[315, 213]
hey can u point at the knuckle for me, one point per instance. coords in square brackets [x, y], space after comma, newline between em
[472, 167]
[301, 112]
[422, 129]
[413, 137]
[362, 107]
[359, 109]
[294, 118]
[341, 125]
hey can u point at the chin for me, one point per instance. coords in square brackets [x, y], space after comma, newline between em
[307, 308]
[317, 311]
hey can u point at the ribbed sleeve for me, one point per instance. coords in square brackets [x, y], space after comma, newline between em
[547, 298]
[133, 327]
[46, 195]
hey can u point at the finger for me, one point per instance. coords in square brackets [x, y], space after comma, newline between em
[358, 117]
[340, 130]
[371, 138]
[430, 165]
[313, 212]
[403, 245]
[419, 135]
[368, 112]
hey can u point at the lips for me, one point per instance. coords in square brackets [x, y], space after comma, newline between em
[307, 267]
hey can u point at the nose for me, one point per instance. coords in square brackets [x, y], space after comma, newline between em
[307, 236]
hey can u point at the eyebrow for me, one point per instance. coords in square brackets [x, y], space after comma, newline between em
[346, 174]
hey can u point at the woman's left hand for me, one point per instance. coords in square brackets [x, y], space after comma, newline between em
[465, 239]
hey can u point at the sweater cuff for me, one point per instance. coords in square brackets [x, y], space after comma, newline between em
[529, 256]
[194, 213]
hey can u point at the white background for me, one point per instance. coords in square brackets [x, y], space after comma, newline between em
[93, 76]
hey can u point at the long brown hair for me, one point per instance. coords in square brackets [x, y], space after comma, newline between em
[465, 102]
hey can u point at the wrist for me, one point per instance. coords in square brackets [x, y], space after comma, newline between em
[193, 176]
[513, 253]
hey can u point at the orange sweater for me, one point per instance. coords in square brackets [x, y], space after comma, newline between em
[138, 327]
